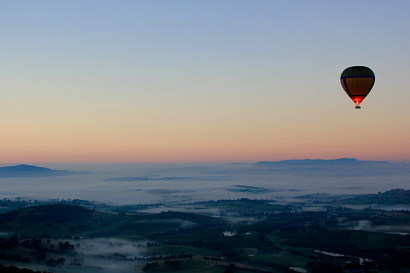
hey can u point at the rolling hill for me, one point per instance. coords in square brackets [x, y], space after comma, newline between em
[29, 171]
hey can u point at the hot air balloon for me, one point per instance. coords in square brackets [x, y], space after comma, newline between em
[357, 81]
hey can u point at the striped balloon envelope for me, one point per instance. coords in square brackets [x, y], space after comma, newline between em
[357, 81]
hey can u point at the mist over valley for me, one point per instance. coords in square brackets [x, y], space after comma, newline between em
[181, 183]
[206, 217]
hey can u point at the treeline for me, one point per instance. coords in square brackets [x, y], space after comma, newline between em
[15, 269]
[39, 250]
[166, 258]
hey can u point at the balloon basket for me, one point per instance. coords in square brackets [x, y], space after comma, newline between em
[358, 107]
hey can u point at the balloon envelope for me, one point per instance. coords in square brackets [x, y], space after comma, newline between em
[357, 81]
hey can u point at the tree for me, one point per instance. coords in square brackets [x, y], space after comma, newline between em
[230, 268]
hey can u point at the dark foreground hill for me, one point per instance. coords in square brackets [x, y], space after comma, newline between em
[49, 219]
[71, 220]
[259, 237]
[58, 213]
[24, 171]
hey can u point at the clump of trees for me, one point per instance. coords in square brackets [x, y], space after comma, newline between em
[150, 266]
[230, 268]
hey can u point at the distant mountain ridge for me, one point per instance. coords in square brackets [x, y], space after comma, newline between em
[316, 162]
[25, 171]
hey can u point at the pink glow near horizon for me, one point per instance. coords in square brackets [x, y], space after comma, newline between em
[178, 82]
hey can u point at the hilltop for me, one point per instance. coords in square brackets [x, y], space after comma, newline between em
[27, 171]
[317, 162]
[79, 221]
[391, 197]
[342, 167]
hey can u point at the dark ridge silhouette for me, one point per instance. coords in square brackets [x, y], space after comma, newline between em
[23, 170]
[316, 162]
[342, 167]
[59, 213]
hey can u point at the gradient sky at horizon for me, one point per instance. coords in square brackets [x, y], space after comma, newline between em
[206, 81]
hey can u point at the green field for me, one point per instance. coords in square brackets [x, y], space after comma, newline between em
[68, 238]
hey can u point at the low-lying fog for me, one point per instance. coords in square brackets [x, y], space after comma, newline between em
[107, 255]
[173, 184]
[101, 255]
